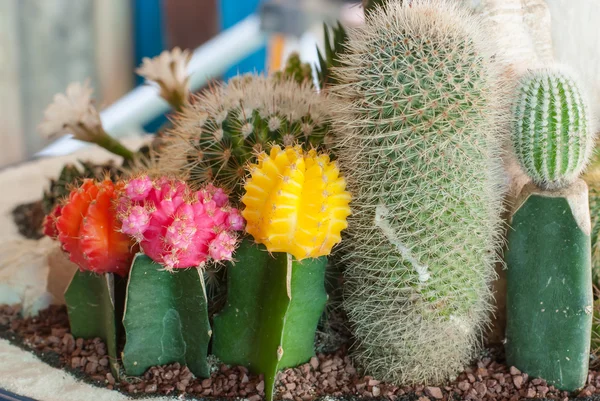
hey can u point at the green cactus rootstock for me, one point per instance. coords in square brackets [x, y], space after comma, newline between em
[273, 307]
[592, 178]
[216, 136]
[416, 121]
[551, 133]
[95, 307]
[165, 319]
[550, 301]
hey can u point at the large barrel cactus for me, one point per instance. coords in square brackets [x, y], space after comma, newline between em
[415, 118]
[226, 126]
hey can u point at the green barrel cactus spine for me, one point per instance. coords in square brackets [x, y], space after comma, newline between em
[95, 307]
[225, 127]
[165, 319]
[274, 303]
[552, 137]
[416, 117]
[550, 300]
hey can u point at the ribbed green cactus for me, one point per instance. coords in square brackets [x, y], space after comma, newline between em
[215, 137]
[549, 288]
[551, 130]
[419, 145]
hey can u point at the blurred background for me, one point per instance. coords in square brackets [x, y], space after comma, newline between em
[46, 44]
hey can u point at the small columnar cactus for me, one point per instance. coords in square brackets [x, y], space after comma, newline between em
[551, 135]
[88, 229]
[296, 202]
[419, 143]
[226, 126]
[549, 320]
[175, 226]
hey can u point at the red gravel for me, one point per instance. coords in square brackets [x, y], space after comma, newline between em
[325, 374]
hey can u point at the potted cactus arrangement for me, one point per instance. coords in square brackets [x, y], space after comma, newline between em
[372, 197]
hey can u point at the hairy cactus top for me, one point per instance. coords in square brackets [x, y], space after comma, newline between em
[552, 136]
[88, 229]
[296, 202]
[176, 227]
[419, 141]
[226, 126]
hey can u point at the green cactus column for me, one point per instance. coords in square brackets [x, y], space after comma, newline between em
[549, 303]
[274, 303]
[95, 307]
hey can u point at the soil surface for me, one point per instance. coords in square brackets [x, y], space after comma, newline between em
[326, 374]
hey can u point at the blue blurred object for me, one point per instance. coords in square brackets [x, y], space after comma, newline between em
[148, 30]
[8, 396]
[149, 41]
[232, 12]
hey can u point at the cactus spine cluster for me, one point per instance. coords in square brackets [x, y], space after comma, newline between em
[227, 125]
[551, 129]
[417, 105]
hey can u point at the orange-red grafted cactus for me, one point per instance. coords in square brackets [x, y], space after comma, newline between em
[89, 231]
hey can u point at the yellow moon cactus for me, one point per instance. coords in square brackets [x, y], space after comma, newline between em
[296, 202]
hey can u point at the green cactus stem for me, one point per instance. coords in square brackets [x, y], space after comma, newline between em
[273, 307]
[552, 136]
[165, 319]
[550, 301]
[95, 307]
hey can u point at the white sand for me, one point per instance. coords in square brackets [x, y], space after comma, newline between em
[23, 373]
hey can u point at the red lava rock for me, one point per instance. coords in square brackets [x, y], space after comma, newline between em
[325, 374]
[434, 392]
[518, 381]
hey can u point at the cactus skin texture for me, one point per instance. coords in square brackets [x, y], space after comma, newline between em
[416, 122]
[95, 308]
[549, 294]
[296, 202]
[177, 227]
[296, 207]
[274, 304]
[592, 178]
[225, 127]
[89, 231]
[552, 138]
[166, 318]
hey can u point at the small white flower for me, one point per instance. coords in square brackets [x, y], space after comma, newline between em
[72, 113]
[169, 71]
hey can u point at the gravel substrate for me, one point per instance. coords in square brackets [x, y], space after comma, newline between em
[325, 374]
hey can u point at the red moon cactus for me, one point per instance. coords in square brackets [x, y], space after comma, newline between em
[90, 232]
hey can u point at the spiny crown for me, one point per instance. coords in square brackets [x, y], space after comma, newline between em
[552, 136]
[224, 128]
[296, 202]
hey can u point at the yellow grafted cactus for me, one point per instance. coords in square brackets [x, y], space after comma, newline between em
[296, 202]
